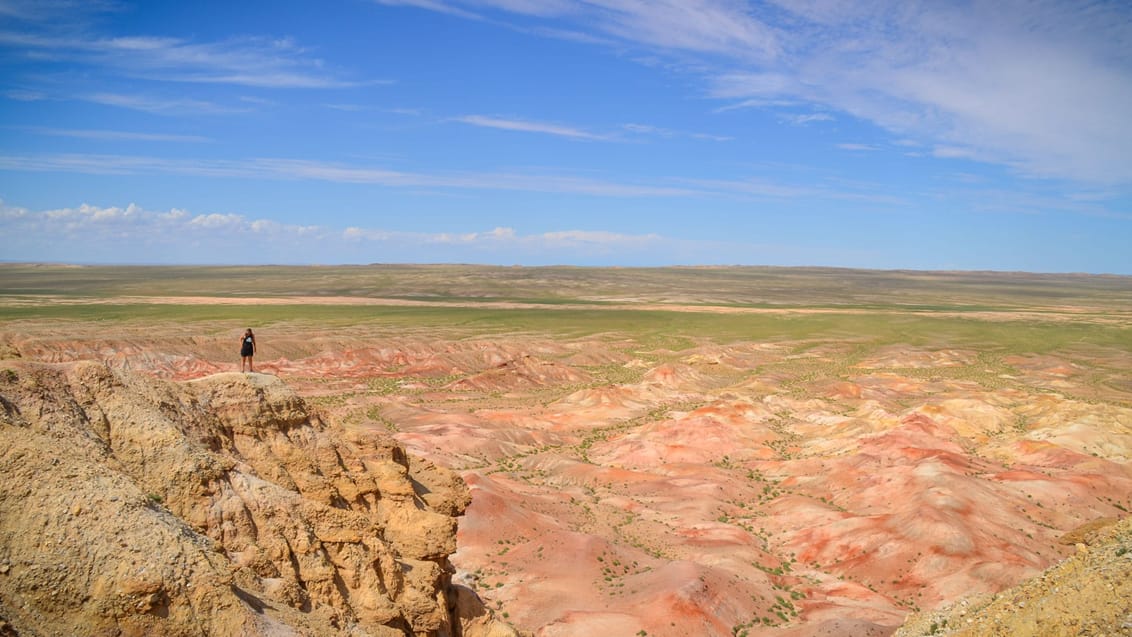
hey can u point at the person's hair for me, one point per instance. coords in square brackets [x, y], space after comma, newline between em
[249, 331]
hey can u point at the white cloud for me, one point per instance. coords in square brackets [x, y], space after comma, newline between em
[807, 118]
[160, 106]
[727, 27]
[694, 25]
[857, 147]
[646, 129]
[503, 238]
[574, 132]
[291, 169]
[574, 238]
[249, 61]
[347, 108]
[432, 5]
[508, 237]
[756, 88]
[810, 191]
[1041, 86]
[528, 127]
[117, 135]
[354, 233]
[954, 152]
[132, 233]
[112, 234]
[502, 233]
[88, 221]
[214, 221]
[52, 10]
[469, 238]
[22, 95]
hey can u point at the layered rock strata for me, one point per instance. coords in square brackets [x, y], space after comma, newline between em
[222, 506]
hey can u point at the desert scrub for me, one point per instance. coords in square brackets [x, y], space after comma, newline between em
[374, 414]
[384, 385]
[613, 374]
[330, 400]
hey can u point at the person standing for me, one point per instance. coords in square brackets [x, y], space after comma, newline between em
[247, 350]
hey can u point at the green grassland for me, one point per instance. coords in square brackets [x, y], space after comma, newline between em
[1003, 312]
[725, 286]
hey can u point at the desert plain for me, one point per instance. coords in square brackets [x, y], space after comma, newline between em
[680, 451]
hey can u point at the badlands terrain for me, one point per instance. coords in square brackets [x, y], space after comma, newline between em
[684, 451]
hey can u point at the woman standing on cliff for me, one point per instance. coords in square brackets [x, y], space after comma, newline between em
[247, 350]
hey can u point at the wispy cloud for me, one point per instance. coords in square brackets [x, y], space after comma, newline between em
[574, 132]
[858, 147]
[509, 237]
[347, 108]
[299, 169]
[954, 152]
[117, 135]
[257, 62]
[807, 118]
[432, 5]
[302, 169]
[33, 11]
[813, 190]
[159, 105]
[526, 126]
[1040, 86]
[646, 129]
[22, 95]
[705, 26]
[292, 169]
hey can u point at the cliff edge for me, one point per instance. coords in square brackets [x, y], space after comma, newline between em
[222, 506]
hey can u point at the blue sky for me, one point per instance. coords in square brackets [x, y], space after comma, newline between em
[967, 135]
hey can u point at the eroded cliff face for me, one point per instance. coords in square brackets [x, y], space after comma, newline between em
[220, 506]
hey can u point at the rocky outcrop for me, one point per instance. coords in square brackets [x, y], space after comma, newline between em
[1088, 594]
[221, 506]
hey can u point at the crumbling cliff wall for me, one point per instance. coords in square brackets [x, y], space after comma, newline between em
[222, 506]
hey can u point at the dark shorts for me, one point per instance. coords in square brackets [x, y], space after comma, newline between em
[247, 350]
